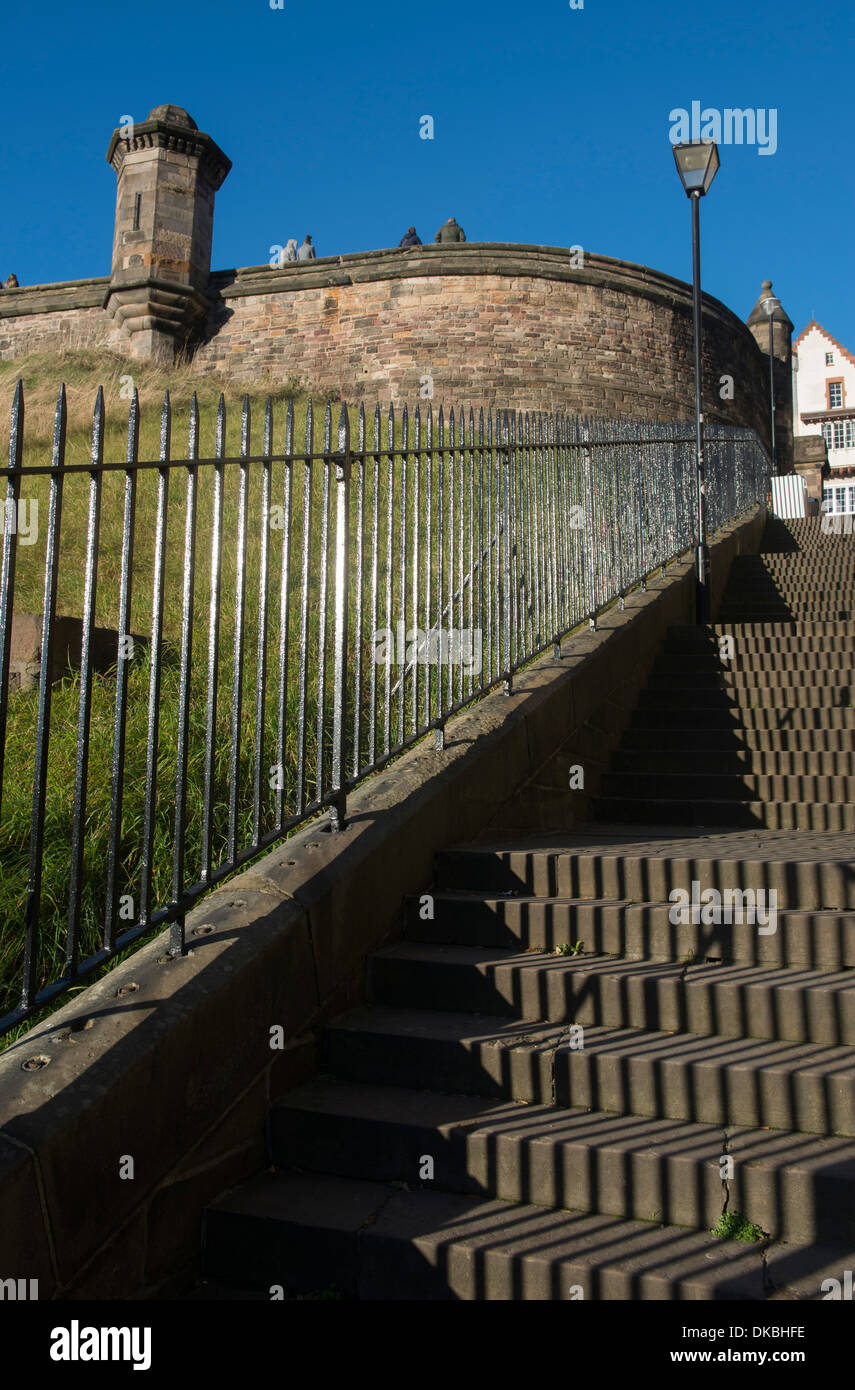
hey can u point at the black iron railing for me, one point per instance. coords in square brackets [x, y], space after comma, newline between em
[384, 582]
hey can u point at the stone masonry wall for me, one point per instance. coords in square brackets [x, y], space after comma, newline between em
[500, 325]
[52, 318]
[515, 326]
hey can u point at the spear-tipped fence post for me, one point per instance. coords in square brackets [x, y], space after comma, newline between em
[342, 463]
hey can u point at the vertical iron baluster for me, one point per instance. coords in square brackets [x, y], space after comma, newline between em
[240, 619]
[513, 466]
[122, 674]
[284, 615]
[461, 466]
[429, 560]
[492, 541]
[590, 524]
[157, 595]
[177, 943]
[320, 775]
[507, 596]
[501, 534]
[10, 552]
[261, 647]
[304, 610]
[470, 474]
[554, 484]
[483, 559]
[213, 645]
[391, 626]
[375, 580]
[37, 823]
[417, 512]
[360, 560]
[446, 617]
[84, 708]
[402, 578]
[524, 433]
[342, 601]
[440, 545]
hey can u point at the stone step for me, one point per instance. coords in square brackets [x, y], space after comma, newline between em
[808, 872]
[727, 677]
[761, 648]
[811, 1006]
[820, 940]
[798, 1188]
[754, 666]
[782, 612]
[725, 786]
[712, 1079]
[774, 742]
[729, 714]
[783, 815]
[375, 1242]
[666, 758]
[698, 701]
[792, 628]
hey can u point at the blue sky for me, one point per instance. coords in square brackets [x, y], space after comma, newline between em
[551, 126]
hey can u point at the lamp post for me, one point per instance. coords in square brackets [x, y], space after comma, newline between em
[697, 164]
[770, 305]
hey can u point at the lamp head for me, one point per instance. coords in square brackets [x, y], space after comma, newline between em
[697, 164]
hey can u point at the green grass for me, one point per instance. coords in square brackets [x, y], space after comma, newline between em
[83, 372]
[732, 1225]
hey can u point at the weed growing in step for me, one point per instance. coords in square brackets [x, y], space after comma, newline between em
[732, 1225]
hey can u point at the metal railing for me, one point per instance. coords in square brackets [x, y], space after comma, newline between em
[384, 582]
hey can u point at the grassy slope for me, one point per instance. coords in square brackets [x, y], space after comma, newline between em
[82, 374]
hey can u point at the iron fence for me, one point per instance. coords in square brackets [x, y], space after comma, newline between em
[385, 579]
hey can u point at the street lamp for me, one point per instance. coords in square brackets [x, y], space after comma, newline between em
[697, 164]
[770, 305]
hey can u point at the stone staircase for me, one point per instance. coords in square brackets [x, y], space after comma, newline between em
[558, 1089]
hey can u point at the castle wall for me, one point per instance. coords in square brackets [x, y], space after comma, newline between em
[52, 318]
[520, 326]
[501, 324]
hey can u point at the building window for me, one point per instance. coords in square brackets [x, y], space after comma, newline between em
[839, 499]
[835, 395]
[137, 202]
[829, 359]
[839, 434]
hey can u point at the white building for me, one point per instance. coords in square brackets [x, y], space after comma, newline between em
[824, 403]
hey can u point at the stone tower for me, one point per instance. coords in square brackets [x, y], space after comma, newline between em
[168, 173]
[782, 371]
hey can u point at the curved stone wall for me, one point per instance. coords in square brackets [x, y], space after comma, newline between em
[493, 324]
[505, 325]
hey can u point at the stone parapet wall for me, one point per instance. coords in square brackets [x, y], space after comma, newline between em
[506, 325]
[510, 326]
[53, 318]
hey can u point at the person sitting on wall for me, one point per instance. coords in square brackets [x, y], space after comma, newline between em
[307, 251]
[449, 231]
[290, 250]
[410, 238]
[11, 283]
